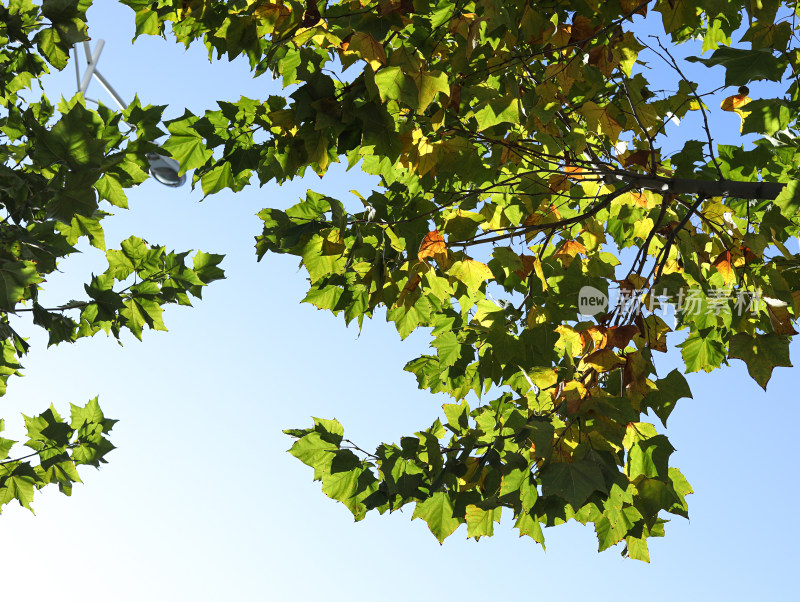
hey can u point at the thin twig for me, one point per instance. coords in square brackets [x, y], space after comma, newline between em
[692, 87]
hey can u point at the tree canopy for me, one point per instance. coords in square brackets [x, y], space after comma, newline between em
[525, 178]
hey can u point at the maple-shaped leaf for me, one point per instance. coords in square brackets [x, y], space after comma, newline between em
[600, 120]
[743, 66]
[620, 336]
[761, 353]
[635, 6]
[480, 522]
[559, 183]
[569, 250]
[653, 332]
[639, 157]
[663, 394]
[582, 29]
[272, 13]
[470, 272]
[366, 47]
[437, 511]
[604, 360]
[639, 199]
[432, 246]
[573, 482]
[529, 526]
[702, 350]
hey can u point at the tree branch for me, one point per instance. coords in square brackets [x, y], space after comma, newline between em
[764, 191]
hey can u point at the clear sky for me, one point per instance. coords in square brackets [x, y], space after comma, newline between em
[201, 501]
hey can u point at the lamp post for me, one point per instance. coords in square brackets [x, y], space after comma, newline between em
[164, 169]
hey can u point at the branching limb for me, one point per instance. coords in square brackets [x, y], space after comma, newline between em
[663, 255]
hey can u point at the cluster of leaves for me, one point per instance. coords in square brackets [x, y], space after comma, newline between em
[60, 446]
[63, 165]
[521, 126]
[524, 127]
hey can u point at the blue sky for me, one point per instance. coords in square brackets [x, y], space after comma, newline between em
[201, 501]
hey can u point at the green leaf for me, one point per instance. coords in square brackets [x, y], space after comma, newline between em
[72, 140]
[636, 548]
[528, 525]
[206, 266]
[702, 351]
[650, 457]
[744, 66]
[573, 482]
[17, 485]
[667, 392]
[111, 190]
[766, 116]
[185, 143]
[448, 347]
[428, 84]
[480, 522]
[394, 84]
[761, 353]
[494, 112]
[438, 511]
[653, 495]
[314, 451]
[789, 199]
[470, 272]
[15, 278]
[218, 178]
[349, 482]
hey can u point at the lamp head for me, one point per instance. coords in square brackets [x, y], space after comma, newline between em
[165, 170]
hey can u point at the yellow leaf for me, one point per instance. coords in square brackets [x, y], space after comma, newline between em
[603, 360]
[599, 119]
[639, 199]
[470, 272]
[571, 248]
[598, 336]
[318, 152]
[628, 48]
[532, 263]
[272, 13]
[576, 173]
[368, 48]
[567, 252]
[734, 104]
[724, 267]
[642, 228]
[569, 341]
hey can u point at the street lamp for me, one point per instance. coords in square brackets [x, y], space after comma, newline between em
[164, 169]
